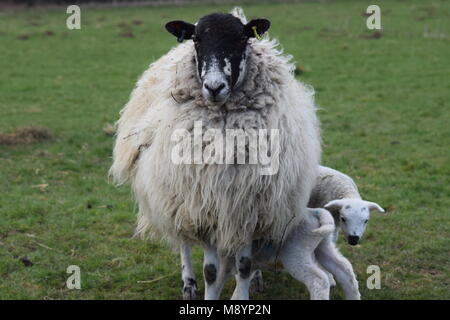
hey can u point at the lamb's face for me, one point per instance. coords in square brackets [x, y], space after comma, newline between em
[354, 215]
[221, 47]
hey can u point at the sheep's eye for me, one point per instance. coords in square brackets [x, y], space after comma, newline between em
[343, 220]
[366, 221]
[244, 39]
[196, 39]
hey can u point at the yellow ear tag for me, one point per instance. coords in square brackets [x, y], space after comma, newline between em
[257, 36]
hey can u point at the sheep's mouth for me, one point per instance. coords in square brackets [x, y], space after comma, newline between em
[353, 240]
[218, 100]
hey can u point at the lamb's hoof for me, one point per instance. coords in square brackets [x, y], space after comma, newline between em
[257, 283]
[332, 281]
[190, 290]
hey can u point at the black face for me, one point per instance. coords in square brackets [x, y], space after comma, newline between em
[221, 50]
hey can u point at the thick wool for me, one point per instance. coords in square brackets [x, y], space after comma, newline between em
[226, 205]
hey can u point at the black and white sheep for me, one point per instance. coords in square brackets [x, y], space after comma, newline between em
[225, 79]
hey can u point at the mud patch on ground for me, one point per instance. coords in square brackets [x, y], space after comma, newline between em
[25, 135]
[372, 35]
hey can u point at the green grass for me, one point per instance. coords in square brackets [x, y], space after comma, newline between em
[385, 120]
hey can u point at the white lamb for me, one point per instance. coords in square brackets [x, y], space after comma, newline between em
[307, 254]
[309, 250]
[338, 193]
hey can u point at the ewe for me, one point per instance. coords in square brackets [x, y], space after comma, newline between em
[225, 79]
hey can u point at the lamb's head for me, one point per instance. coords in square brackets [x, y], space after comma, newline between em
[354, 215]
[221, 43]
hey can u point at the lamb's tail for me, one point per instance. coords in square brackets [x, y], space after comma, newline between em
[326, 222]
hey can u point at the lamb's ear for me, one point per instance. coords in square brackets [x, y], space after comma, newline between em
[258, 25]
[334, 205]
[180, 29]
[374, 206]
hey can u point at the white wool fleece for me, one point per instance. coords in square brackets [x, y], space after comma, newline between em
[221, 204]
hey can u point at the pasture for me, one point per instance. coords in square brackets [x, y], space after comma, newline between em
[384, 108]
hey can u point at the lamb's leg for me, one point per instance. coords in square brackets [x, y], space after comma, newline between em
[336, 233]
[187, 273]
[330, 258]
[329, 275]
[243, 273]
[334, 238]
[298, 260]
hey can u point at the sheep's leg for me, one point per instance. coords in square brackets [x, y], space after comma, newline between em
[257, 283]
[187, 273]
[334, 262]
[299, 262]
[210, 270]
[243, 272]
[215, 271]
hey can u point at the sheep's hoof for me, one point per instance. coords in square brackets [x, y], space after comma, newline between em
[257, 283]
[190, 290]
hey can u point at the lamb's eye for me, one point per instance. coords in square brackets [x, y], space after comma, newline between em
[365, 221]
[343, 220]
[243, 39]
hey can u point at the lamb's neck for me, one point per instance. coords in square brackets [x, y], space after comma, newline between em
[346, 189]
[349, 195]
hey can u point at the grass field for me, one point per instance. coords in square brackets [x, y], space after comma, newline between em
[385, 119]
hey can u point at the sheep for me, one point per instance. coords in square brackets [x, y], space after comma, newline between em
[224, 79]
[338, 193]
[311, 246]
[307, 254]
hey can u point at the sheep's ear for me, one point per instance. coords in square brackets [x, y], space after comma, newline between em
[374, 206]
[180, 29]
[258, 25]
[334, 205]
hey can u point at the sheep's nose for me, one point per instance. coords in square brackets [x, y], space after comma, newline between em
[214, 89]
[353, 240]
